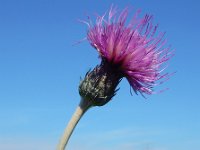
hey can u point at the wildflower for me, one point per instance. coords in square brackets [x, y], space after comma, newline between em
[132, 50]
[126, 50]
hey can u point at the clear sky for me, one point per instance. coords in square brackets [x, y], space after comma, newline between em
[40, 69]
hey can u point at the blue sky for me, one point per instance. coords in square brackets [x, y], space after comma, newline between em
[40, 69]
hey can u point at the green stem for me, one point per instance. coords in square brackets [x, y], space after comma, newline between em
[81, 109]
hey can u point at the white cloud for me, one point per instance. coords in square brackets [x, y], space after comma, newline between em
[118, 139]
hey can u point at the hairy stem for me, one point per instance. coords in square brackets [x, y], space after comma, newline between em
[81, 109]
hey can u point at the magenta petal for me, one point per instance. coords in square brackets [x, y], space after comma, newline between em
[133, 48]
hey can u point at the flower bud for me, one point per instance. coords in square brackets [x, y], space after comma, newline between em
[99, 85]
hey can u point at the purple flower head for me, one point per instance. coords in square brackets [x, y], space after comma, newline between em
[134, 49]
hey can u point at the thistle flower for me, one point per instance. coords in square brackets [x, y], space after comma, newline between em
[132, 50]
[127, 50]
